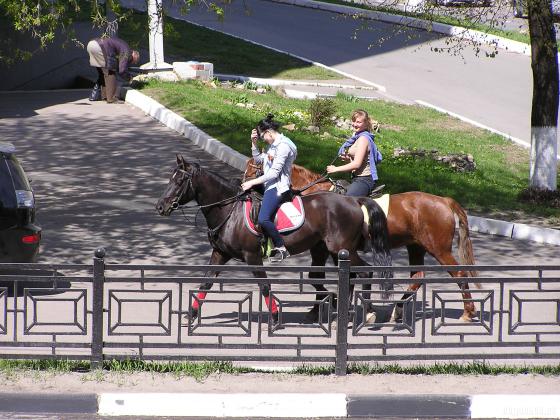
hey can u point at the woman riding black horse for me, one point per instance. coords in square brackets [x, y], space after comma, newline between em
[277, 162]
[332, 222]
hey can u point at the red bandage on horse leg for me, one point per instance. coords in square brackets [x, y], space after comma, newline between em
[274, 306]
[199, 296]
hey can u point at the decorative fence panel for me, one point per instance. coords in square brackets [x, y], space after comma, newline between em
[113, 311]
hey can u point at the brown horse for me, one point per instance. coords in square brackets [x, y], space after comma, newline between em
[332, 222]
[420, 221]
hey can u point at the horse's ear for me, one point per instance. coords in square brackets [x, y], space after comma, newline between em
[180, 161]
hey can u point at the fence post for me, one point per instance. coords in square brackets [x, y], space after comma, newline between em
[97, 314]
[342, 312]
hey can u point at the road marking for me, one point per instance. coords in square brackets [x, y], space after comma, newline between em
[515, 406]
[222, 405]
[475, 123]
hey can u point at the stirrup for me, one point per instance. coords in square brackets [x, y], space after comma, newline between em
[278, 255]
[376, 192]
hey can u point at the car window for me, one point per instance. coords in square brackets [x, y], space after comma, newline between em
[7, 193]
[18, 176]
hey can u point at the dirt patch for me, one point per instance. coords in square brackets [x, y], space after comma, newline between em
[391, 127]
[453, 124]
[513, 153]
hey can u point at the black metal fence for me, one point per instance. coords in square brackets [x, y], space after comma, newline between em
[112, 311]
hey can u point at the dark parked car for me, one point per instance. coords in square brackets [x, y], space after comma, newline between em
[19, 235]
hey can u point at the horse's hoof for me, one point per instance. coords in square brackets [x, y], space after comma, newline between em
[311, 317]
[370, 318]
[189, 317]
[466, 318]
[397, 315]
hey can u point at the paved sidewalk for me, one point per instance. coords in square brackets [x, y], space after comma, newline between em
[285, 395]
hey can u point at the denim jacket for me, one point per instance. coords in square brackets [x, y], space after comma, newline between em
[277, 162]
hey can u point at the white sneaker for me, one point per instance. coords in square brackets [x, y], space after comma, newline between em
[278, 254]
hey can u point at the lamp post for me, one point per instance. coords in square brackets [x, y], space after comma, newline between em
[157, 62]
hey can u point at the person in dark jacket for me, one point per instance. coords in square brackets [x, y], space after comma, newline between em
[111, 56]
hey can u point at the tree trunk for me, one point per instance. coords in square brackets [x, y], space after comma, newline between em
[544, 113]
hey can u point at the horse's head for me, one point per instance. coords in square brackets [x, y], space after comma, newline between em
[179, 189]
[253, 170]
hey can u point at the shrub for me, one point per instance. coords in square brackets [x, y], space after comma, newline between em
[321, 111]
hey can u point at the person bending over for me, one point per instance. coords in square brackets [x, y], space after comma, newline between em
[111, 56]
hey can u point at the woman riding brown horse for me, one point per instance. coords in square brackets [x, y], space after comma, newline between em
[420, 221]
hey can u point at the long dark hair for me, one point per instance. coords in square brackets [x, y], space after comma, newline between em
[267, 123]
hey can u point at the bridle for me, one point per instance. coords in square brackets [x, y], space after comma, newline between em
[256, 167]
[184, 182]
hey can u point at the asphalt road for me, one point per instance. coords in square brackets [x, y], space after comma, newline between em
[495, 92]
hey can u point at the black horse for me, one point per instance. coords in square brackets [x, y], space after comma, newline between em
[332, 222]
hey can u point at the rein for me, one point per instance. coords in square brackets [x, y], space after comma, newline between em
[324, 177]
[211, 231]
[224, 202]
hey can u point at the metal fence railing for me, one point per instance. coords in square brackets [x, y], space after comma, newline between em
[115, 311]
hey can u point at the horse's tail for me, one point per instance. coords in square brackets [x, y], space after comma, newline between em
[464, 243]
[378, 234]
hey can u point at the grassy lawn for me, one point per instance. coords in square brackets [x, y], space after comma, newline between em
[502, 168]
[184, 42]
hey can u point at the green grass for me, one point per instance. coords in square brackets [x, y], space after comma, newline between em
[201, 370]
[184, 42]
[502, 167]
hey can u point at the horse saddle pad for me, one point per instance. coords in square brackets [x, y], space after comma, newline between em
[383, 202]
[290, 216]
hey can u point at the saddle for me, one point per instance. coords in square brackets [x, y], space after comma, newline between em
[377, 191]
[290, 216]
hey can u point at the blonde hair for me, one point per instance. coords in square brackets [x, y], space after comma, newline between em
[362, 113]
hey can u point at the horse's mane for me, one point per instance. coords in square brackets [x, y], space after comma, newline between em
[304, 174]
[228, 183]
[299, 173]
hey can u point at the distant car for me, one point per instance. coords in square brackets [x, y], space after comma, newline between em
[520, 8]
[484, 3]
[19, 235]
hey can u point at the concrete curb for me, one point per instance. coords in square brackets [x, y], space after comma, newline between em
[172, 120]
[282, 82]
[456, 31]
[237, 160]
[285, 405]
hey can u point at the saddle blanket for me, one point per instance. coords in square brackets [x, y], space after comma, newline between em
[290, 216]
[383, 202]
